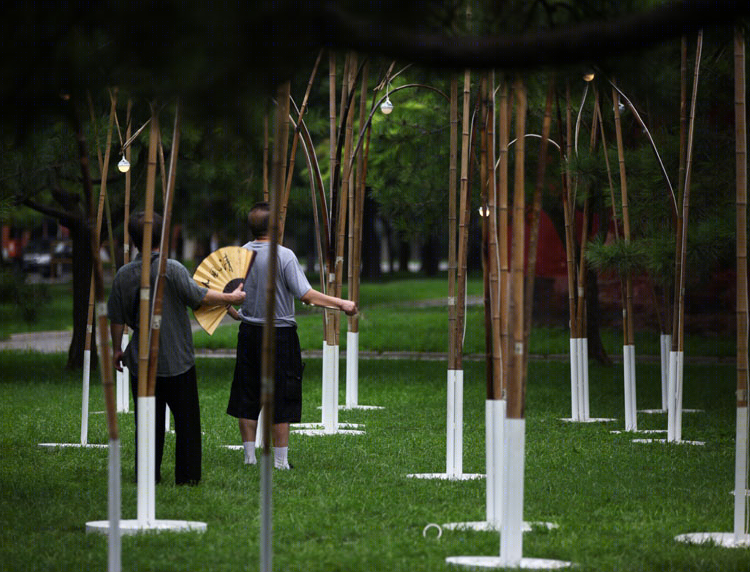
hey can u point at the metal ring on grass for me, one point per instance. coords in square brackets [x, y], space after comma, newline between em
[429, 526]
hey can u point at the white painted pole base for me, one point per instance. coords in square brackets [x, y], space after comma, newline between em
[575, 413]
[628, 359]
[674, 396]
[666, 347]
[146, 421]
[352, 369]
[494, 414]
[514, 451]
[330, 405]
[454, 423]
[85, 397]
[454, 441]
[584, 342]
[740, 475]
[114, 507]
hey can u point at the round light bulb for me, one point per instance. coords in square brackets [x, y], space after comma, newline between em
[386, 107]
[588, 76]
[123, 165]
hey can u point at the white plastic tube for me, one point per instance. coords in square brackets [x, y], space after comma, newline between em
[450, 423]
[633, 400]
[146, 460]
[85, 397]
[740, 476]
[679, 382]
[494, 437]
[511, 537]
[585, 377]
[671, 392]
[666, 347]
[352, 369]
[330, 406]
[626, 389]
[574, 412]
[114, 508]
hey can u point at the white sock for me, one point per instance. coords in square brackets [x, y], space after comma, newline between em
[249, 452]
[280, 457]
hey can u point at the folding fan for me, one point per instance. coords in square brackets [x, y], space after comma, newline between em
[221, 271]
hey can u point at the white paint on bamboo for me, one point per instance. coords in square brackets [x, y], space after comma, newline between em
[85, 396]
[114, 507]
[741, 475]
[453, 433]
[330, 388]
[455, 422]
[146, 421]
[514, 451]
[666, 348]
[352, 369]
[628, 359]
[585, 368]
[575, 414]
[494, 413]
[674, 396]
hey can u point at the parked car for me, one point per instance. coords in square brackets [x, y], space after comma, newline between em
[40, 256]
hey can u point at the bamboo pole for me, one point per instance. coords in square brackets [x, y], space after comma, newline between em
[126, 215]
[503, 231]
[265, 158]
[463, 225]
[628, 310]
[680, 193]
[741, 507]
[483, 126]
[293, 154]
[452, 237]
[328, 318]
[536, 213]
[355, 248]
[516, 389]
[145, 287]
[686, 196]
[269, 329]
[496, 391]
[156, 312]
[567, 217]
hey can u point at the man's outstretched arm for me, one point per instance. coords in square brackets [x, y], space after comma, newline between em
[316, 298]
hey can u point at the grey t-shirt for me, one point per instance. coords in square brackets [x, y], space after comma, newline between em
[291, 283]
[176, 353]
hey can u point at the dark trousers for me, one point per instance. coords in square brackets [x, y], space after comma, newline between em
[180, 392]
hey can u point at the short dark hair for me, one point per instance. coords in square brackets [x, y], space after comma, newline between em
[135, 228]
[258, 219]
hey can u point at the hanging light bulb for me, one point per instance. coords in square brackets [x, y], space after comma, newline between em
[484, 211]
[588, 76]
[386, 107]
[123, 165]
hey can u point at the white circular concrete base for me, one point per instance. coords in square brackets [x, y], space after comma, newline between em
[319, 432]
[129, 527]
[446, 476]
[496, 562]
[644, 431]
[76, 445]
[589, 420]
[653, 411]
[665, 441]
[320, 426]
[362, 407]
[487, 526]
[725, 539]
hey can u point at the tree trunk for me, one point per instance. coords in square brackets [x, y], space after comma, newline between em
[430, 255]
[82, 264]
[370, 240]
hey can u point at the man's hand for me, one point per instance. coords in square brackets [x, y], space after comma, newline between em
[237, 296]
[348, 307]
[117, 359]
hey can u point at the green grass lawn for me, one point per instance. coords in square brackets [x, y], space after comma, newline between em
[347, 504]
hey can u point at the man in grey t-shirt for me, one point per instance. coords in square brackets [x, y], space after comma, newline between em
[291, 283]
[176, 383]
